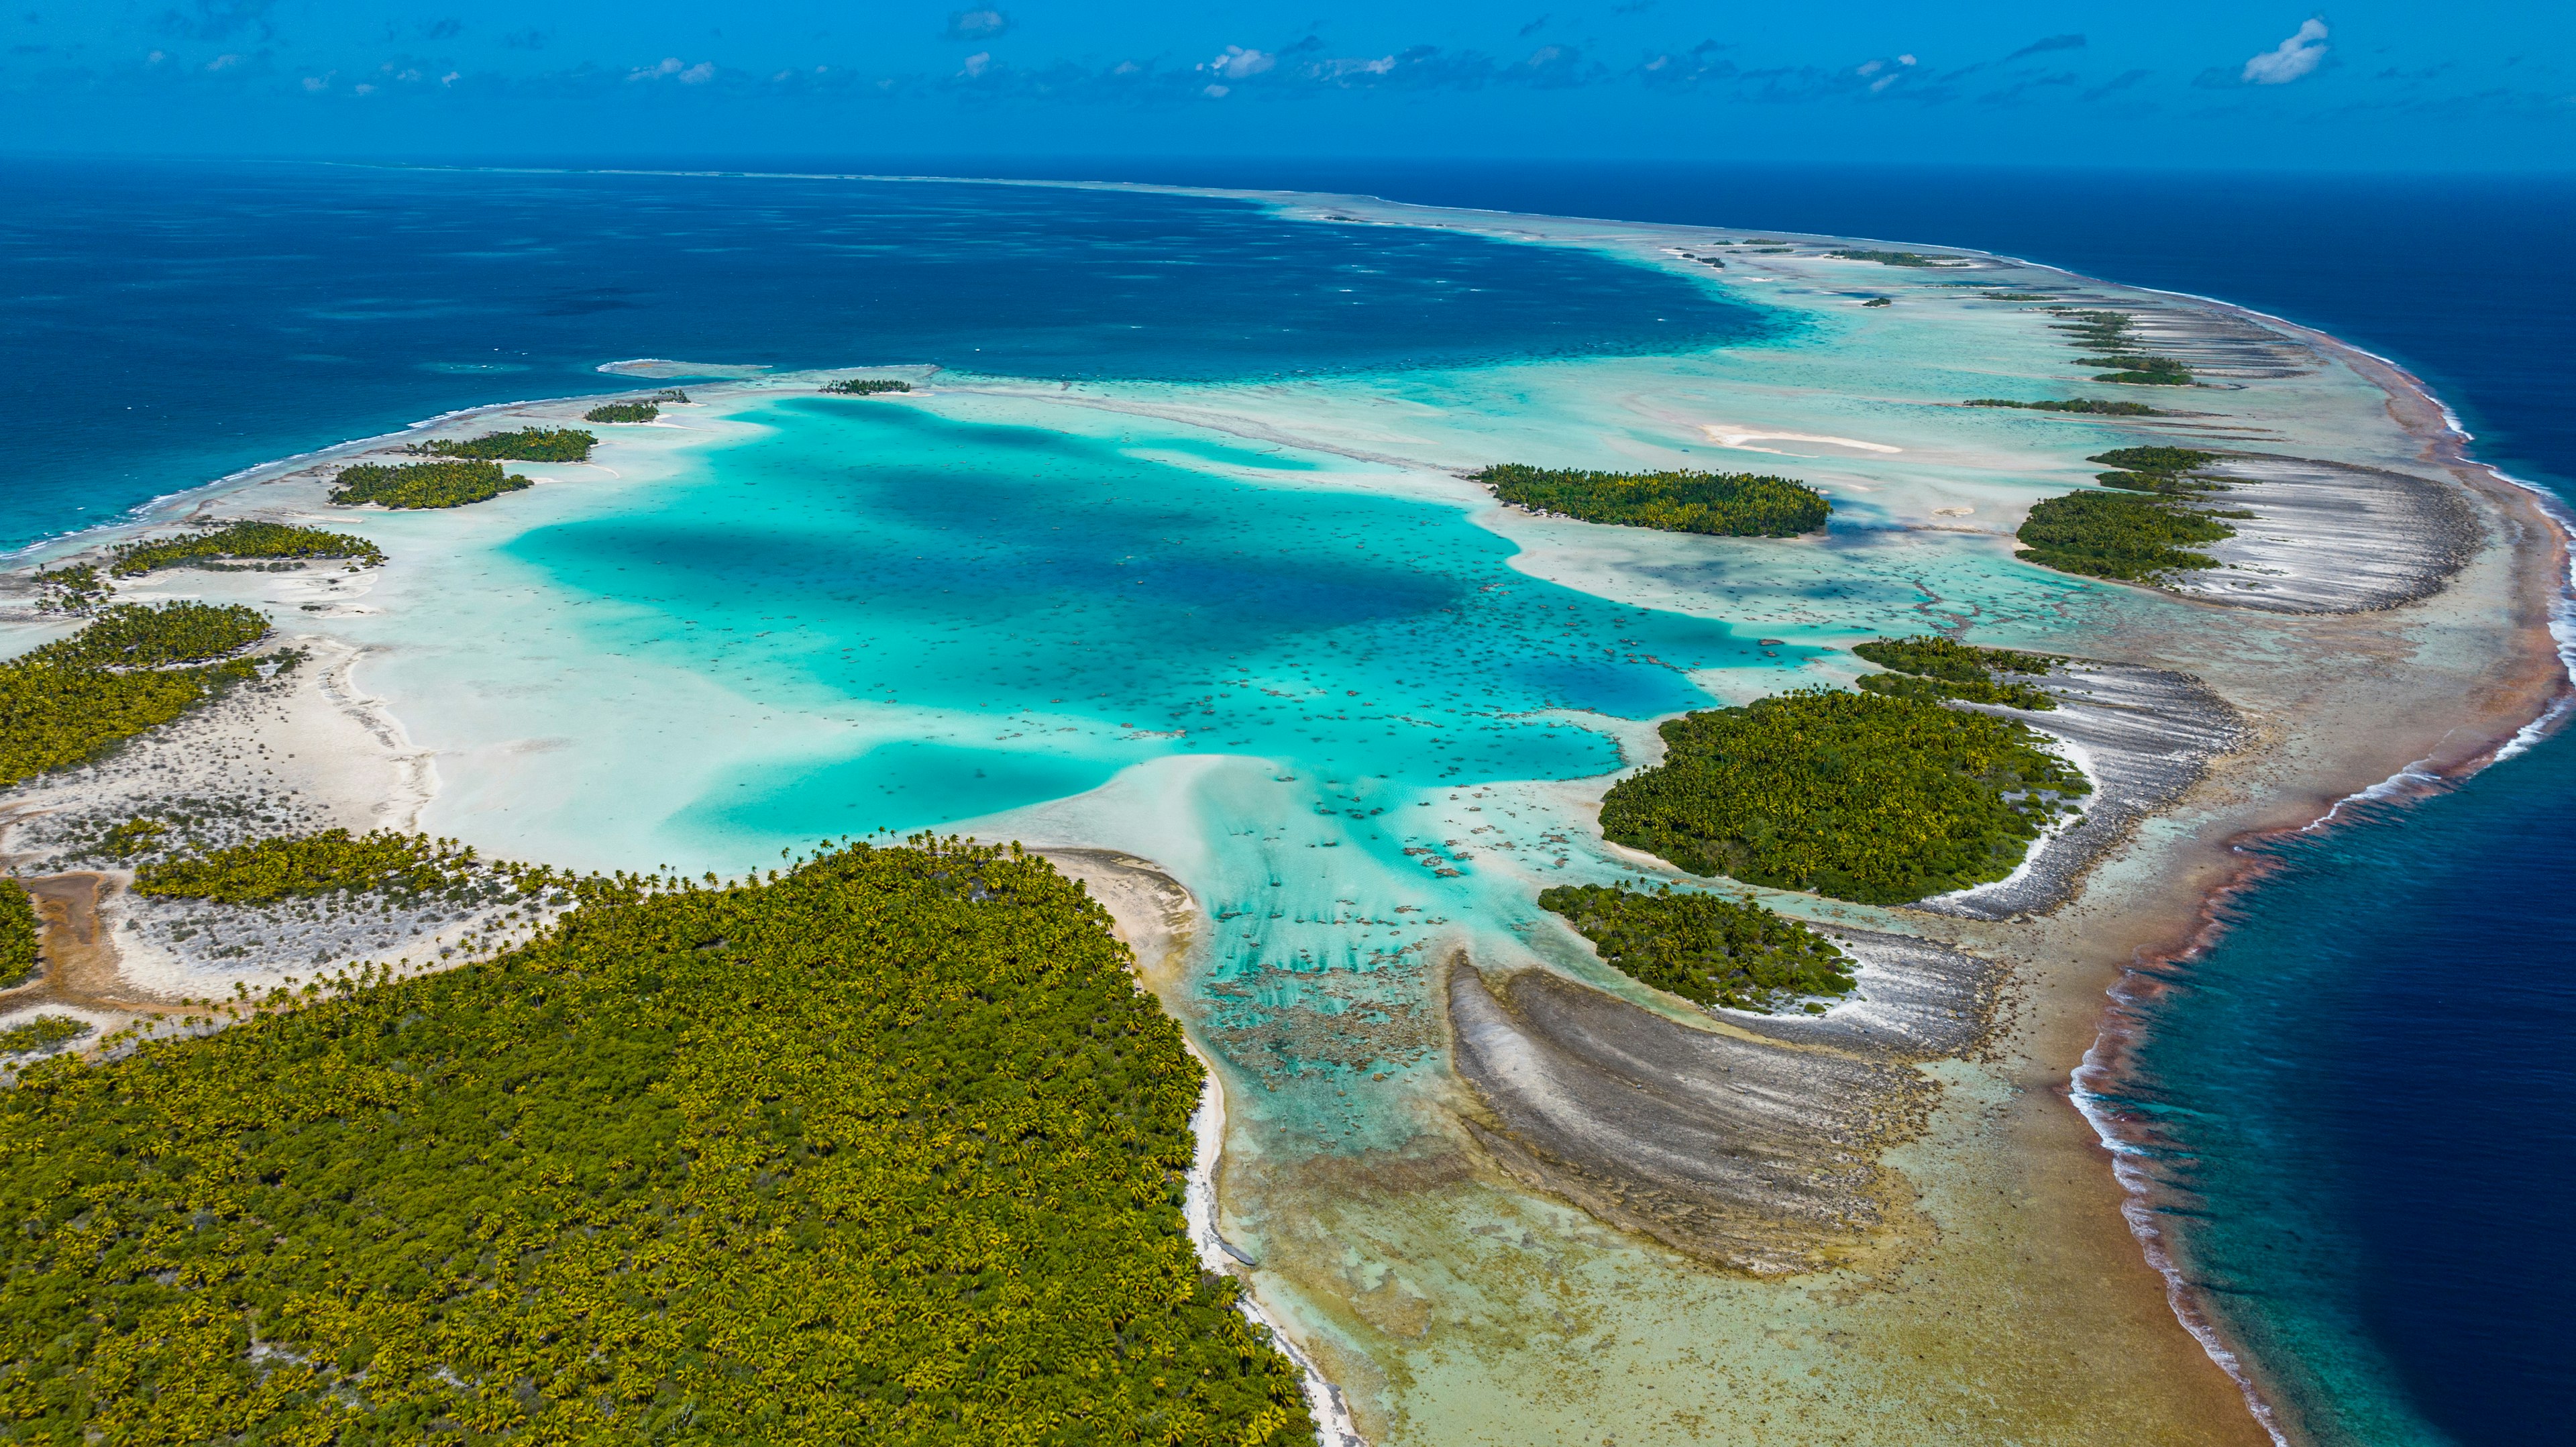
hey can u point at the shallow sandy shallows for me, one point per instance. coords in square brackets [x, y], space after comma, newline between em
[1979, 1282]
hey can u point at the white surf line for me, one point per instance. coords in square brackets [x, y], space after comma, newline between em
[2134, 1208]
[1739, 439]
[1198, 1207]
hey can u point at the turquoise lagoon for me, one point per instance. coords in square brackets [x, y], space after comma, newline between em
[1263, 633]
[1341, 698]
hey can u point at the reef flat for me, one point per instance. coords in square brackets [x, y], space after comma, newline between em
[1272, 637]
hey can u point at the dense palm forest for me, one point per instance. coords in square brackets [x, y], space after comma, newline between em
[241, 540]
[423, 484]
[866, 386]
[17, 934]
[886, 1148]
[1934, 668]
[1861, 796]
[1707, 949]
[2134, 538]
[528, 444]
[622, 412]
[68, 701]
[1732, 504]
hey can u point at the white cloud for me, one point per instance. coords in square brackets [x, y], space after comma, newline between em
[1237, 62]
[1216, 92]
[698, 74]
[976, 63]
[1894, 71]
[223, 62]
[2290, 59]
[316, 83]
[1336, 69]
[980, 24]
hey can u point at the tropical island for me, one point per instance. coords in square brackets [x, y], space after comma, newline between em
[1706, 948]
[865, 386]
[528, 444]
[2120, 535]
[1727, 504]
[423, 484]
[2091, 405]
[1874, 797]
[1896, 258]
[210, 548]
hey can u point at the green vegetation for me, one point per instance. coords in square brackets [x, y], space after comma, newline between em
[153, 635]
[423, 484]
[17, 934]
[2115, 535]
[1934, 668]
[2140, 370]
[532, 444]
[1731, 504]
[66, 702]
[2074, 404]
[1895, 258]
[1861, 796]
[622, 412]
[72, 588]
[2019, 296]
[1708, 950]
[2109, 332]
[887, 1149]
[2094, 330]
[1880, 301]
[275, 541]
[407, 867]
[2158, 469]
[866, 386]
[132, 838]
[42, 1033]
[2154, 459]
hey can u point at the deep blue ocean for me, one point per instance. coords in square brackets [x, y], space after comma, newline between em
[2365, 1088]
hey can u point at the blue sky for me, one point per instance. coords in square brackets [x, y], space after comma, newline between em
[2473, 84]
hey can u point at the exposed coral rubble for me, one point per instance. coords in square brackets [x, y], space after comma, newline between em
[1754, 1148]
